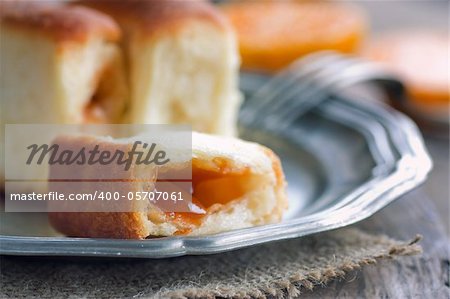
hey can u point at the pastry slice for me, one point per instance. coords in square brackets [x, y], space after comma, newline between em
[235, 184]
[60, 64]
[183, 63]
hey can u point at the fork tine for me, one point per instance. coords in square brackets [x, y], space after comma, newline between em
[309, 83]
[309, 91]
[341, 73]
[279, 82]
[279, 122]
[304, 85]
[324, 80]
[282, 117]
[274, 94]
[301, 81]
[291, 76]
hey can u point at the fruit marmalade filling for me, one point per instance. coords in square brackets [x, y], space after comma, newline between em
[211, 188]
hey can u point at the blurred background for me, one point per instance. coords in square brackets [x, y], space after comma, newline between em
[409, 38]
[389, 15]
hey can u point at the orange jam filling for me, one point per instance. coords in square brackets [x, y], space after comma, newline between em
[210, 187]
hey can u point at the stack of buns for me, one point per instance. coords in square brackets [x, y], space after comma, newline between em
[138, 62]
[144, 62]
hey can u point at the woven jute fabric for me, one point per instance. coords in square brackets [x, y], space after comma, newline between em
[276, 270]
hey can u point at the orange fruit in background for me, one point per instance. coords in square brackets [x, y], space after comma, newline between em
[420, 59]
[273, 34]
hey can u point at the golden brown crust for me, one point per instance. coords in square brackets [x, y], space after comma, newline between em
[117, 225]
[58, 21]
[124, 225]
[151, 16]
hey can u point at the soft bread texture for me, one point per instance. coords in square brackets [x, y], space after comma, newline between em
[183, 63]
[219, 161]
[60, 65]
[57, 59]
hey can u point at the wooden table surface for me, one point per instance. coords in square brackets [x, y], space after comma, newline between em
[423, 211]
[425, 276]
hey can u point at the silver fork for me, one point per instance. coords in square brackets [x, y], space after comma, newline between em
[307, 83]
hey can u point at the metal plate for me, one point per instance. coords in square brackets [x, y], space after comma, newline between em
[344, 161]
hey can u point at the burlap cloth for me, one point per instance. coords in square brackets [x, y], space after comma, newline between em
[275, 270]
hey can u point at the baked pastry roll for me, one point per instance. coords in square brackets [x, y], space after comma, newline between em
[60, 64]
[183, 63]
[235, 184]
